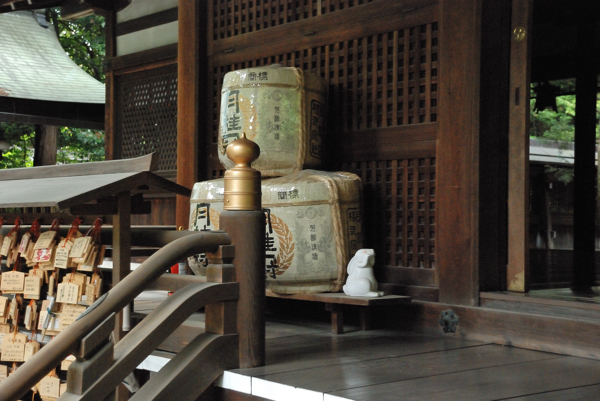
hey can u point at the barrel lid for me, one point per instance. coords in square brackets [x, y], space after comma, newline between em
[274, 74]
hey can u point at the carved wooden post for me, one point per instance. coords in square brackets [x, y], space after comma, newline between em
[245, 223]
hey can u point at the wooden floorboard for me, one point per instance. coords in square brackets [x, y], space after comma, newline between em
[306, 361]
[493, 383]
[291, 354]
[382, 370]
[573, 394]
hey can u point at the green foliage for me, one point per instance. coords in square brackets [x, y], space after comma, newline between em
[74, 145]
[558, 126]
[555, 125]
[79, 145]
[562, 174]
[83, 40]
[21, 137]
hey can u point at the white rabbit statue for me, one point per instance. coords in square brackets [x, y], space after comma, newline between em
[361, 279]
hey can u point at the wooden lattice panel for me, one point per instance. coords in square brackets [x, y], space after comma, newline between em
[382, 83]
[237, 17]
[399, 197]
[148, 116]
[378, 81]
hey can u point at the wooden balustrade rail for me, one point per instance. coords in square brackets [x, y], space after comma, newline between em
[69, 340]
[150, 333]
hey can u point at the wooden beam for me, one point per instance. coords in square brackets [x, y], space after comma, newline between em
[585, 178]
[110, 143]
[355, 22]
[108, 5]
[493, 143]
[457, 229]
[147, 21]
[560, 335]
[71, 10]
[29, 111]
[189, 89]
[517, 274]
[121, 249]
[401, 142]
[164, 55]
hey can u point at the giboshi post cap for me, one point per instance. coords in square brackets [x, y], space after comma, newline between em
[242, 183]
[243, 151]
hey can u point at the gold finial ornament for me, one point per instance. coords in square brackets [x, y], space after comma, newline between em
[242, 182]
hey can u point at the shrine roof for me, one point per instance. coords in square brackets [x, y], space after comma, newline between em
[65, 186]
[33, 65]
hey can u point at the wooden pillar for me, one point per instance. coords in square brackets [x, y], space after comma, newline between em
[112, 147]
[493, 144]
[584, 195]
[458, 152]
[517, 271]
[191, 85]
[46, 143]
[247, 230]
[121, 249]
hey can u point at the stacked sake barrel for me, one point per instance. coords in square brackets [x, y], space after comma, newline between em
[313, 218]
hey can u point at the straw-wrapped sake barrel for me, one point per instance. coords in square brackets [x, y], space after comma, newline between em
[313, 227]
[282, 109]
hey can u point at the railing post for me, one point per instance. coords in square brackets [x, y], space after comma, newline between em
[220, 317]
[94, 357]
[244, 221]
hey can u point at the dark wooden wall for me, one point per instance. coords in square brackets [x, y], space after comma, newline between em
[406, 107]
[380, 59]
[141, 107]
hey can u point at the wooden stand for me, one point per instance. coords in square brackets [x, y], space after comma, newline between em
[334, 303]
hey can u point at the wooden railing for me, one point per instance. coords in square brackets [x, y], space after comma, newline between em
[234, 311]
[101, 366]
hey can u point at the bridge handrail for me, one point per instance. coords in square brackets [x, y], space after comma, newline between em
[67, 342]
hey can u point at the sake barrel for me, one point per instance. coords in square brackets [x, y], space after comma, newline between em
[313, 227]
[282, 109]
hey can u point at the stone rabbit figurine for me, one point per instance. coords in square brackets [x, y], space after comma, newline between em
[361, 279]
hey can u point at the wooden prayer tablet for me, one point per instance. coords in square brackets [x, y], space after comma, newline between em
[61, 257]
[24, 243]
[5, 328]
[80, 247]
[43, 255]
[50, 386]
[13, 347]
[45, 240]
[69, 314]
[3, 305]
[8, 243]
[33, 287]
[68, 293]
[12, 282]
[31, 348]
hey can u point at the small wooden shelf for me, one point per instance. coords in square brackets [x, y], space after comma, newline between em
[334, 303]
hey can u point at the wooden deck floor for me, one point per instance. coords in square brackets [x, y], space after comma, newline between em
[305, 361]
